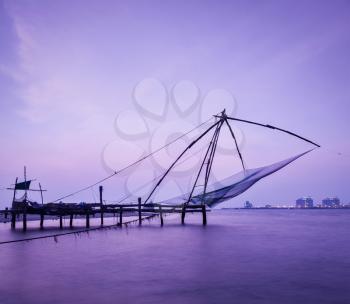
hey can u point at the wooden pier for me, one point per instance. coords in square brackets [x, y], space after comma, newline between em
[92, 210]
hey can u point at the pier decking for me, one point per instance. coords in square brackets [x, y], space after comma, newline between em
[93, 210]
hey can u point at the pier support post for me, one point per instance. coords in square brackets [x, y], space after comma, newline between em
[13, 219]
[71, 220]
[87, 220]
[41, 220]
[139, 210]
[61, 221]
[121, 216]
[101, 204]
[101, 214]
[204, 213]
[161, 215]
[6, 212]
[24, 220]
[183, 213]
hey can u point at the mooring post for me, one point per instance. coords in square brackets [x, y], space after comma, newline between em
[13, 219]
[61, 221]
[204, 213]
[25, 219]
[183, 214]
[6, 211]
[41, 220]
[101, 213]
[161, 215]
[101, 204]
[71, 220]
[87, 220]
[139, 209]
[121, 216]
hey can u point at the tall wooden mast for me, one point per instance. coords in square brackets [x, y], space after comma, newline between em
[25, 183]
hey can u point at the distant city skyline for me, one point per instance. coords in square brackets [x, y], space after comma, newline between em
[303, 202]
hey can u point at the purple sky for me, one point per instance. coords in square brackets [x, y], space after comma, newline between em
[67, 68]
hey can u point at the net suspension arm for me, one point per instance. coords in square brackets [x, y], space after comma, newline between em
[272, 127]
[211, 159]
[177, 159]
[203, 162]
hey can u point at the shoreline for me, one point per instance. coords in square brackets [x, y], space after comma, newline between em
[282, 208]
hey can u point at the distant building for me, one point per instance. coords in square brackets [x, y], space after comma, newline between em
[248, 204]
[333, 202]
[304, 202]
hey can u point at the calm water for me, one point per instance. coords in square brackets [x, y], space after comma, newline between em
[242, 256]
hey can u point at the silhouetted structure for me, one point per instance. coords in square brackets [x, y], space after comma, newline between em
[197, 200]
[248, 204]
[304, 202]
[331, 202]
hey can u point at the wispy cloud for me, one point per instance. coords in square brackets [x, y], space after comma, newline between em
[50, 83]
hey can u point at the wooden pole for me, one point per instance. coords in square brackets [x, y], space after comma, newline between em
[13, 219]
[61, 221]
[87, 220]
[204, 213]
[161, 215]
[14, 191]
[71, 220]
[101, 204]
[6, 212]
[25, 185]
[139, 209]
[41, 220]
[41, 194]
[121, 216]
[25, 220]
[183, 214]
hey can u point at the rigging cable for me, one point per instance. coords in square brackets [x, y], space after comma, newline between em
[236, 143]
[154, 179]
[132, 164]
